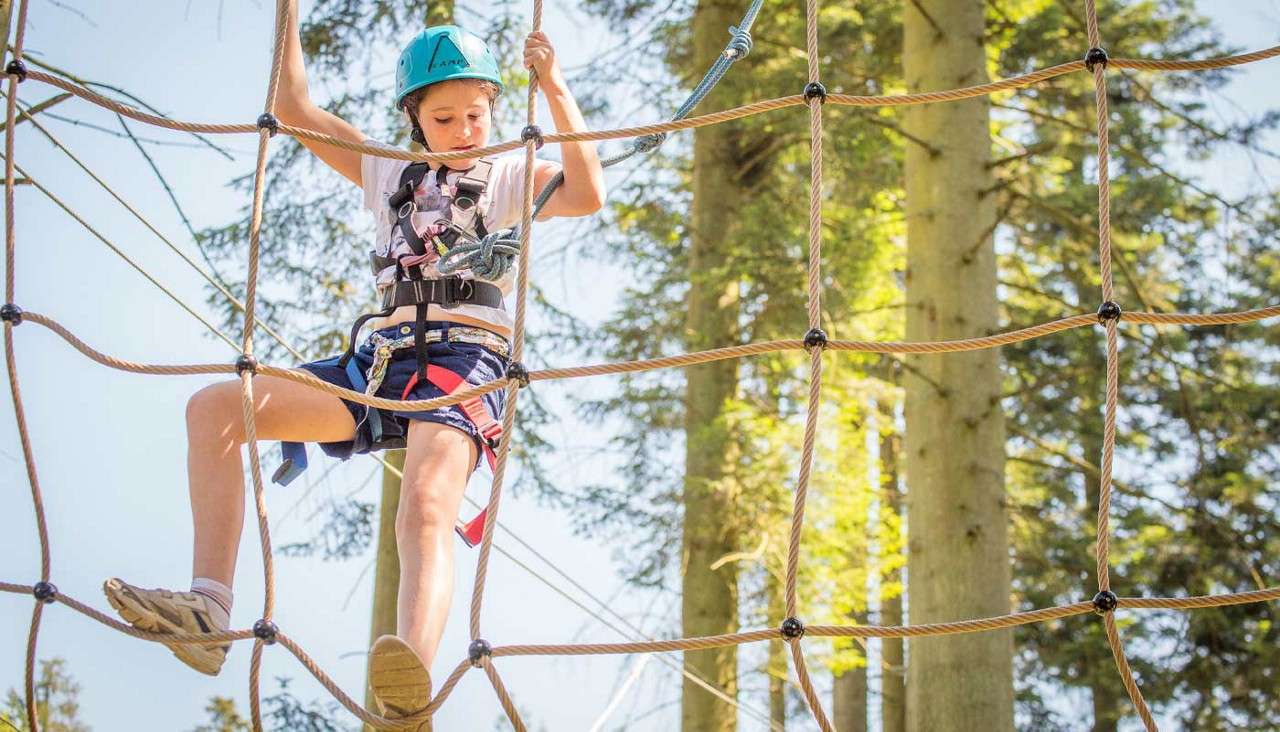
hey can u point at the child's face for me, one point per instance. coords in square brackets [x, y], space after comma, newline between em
[455, 115]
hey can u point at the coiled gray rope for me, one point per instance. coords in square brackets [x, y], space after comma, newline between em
[488, 258]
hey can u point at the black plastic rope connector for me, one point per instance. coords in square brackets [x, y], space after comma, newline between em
[1104, 602]
[518, 373]
[1096, 55]
[815, 338]
[45, 592]
[246, 363]
[815, 89]
[267, 121]
[11, 313]
[532, 132]
[478, 651]
[792, 628]
[265, 631]
[17, 68]
[1109, 310]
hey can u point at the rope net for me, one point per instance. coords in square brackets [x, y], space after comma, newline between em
[482, 655]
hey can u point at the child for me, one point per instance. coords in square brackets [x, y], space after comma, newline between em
[447, 82]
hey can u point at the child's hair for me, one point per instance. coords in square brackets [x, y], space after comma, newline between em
[414, 98]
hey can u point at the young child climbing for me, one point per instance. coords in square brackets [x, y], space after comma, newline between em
[432, 323]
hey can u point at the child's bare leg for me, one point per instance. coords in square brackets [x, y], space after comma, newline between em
[438, 462]
[215, 432]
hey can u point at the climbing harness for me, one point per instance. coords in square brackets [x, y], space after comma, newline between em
[412, 286]
[487, 426]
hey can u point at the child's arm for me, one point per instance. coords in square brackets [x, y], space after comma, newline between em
[295, 108]
[583, 190]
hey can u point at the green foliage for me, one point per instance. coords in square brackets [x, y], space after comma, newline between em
[57, 699]
[223, 717]
[1195, 505]
[281, 712]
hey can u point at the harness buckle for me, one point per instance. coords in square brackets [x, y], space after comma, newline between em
[406, 208]
[466, 290]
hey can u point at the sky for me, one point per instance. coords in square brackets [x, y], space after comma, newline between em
[110, 446]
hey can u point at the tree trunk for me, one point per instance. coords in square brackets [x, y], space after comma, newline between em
[710, 597]
[849, 696]
[893, 689]
[777, 662]
[959, 546]
[386, 575]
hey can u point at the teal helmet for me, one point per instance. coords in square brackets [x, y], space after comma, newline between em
[441, 53]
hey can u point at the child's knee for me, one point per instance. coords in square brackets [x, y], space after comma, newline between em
[425, 512]
[214, 410]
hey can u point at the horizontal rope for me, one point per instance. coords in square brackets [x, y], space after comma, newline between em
[689, 359]
[681, 644]
[748, 110]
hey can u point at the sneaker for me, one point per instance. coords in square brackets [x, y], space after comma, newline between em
[162, 611]
[399, 681]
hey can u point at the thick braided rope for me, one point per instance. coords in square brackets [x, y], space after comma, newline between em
[681, 360]
[246, 375]
[975, 625]
[513, 389]
[888, 100]
[1113, 376]
[815, 103]
[11, 366]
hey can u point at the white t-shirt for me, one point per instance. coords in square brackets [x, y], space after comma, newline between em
[501, 202]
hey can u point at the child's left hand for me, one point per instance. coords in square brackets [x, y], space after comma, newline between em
[540, 57]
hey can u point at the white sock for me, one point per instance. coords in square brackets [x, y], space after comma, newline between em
[222, 598]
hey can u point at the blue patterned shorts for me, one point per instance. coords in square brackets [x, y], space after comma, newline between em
[474, 363]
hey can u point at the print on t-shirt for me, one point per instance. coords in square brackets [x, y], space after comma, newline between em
[431, 217]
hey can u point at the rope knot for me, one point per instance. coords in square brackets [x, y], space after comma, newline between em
[739, 45]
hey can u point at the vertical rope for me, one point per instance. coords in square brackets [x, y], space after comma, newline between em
[255, 667]
[815, 307]
[513, 389]
[1103, 545]
[250, 301]
[11, 365]
[246, 376]
[815, 357]
[30, 680]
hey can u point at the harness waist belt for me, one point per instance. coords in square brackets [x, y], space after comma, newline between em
[447, 293]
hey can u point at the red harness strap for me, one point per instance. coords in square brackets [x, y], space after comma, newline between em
[490, 432]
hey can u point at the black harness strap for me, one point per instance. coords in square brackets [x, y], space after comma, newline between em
[410, 287]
